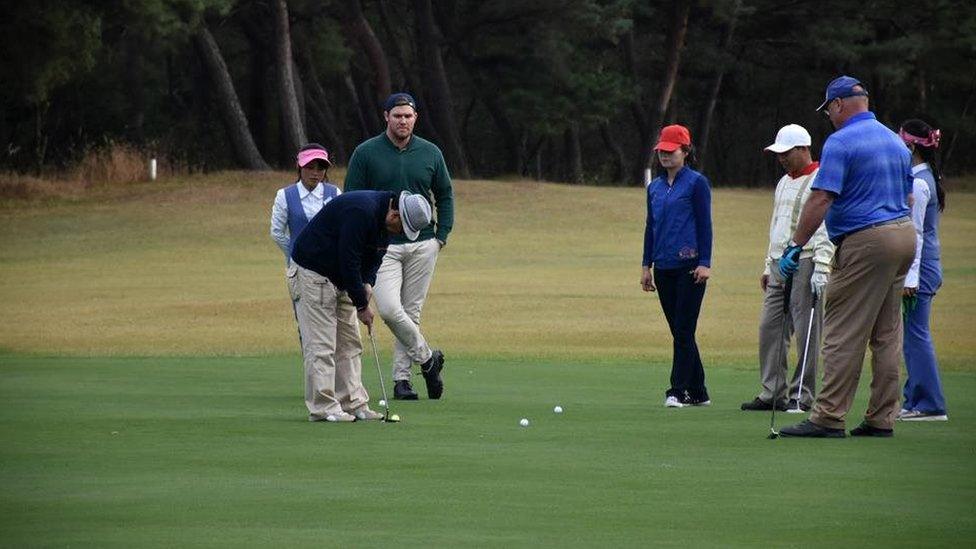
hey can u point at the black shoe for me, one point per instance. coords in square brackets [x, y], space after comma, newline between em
[807, 428]
[403, 391]
[760, 405]
[865, 430]
[757, 405]
[432, 374]
[793, 405]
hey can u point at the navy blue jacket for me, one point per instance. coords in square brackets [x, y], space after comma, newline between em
[346, 241]
[678, 233]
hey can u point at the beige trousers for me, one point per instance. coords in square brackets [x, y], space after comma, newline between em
[401, 289]
[331, 345]
[864, 308]
[774, 342]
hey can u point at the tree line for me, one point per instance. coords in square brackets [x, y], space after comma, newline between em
[572, 90]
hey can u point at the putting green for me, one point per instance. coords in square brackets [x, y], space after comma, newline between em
[210, 451]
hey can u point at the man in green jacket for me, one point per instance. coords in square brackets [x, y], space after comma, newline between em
[397, 160]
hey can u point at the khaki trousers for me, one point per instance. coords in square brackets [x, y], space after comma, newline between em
[331, 345]
[774, 341]
[401, 289]
[864, 307]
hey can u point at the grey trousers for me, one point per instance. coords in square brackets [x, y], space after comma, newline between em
[774, 338]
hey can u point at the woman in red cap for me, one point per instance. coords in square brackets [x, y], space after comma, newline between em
[677, 258]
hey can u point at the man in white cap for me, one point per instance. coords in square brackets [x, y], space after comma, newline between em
[336, 258]
[792, 149]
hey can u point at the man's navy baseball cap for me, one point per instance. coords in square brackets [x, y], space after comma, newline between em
[397, 100]
[840, 88]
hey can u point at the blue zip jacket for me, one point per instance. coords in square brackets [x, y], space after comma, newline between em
[678, 233]
[346, 241]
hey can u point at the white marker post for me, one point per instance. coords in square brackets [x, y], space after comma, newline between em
[152, 169]
[647, 176]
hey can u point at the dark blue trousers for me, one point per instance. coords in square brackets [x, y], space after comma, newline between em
[681, 300]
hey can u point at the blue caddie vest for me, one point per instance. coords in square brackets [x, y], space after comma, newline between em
[930, 229]
[296, 213]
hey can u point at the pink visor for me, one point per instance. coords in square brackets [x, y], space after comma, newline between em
[306, 156]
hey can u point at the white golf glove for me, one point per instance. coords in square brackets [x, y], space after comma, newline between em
[818, 282]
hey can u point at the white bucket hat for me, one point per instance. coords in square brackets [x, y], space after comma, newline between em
[415, 213]
[789, 136]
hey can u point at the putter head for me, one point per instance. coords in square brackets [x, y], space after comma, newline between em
[773, 435]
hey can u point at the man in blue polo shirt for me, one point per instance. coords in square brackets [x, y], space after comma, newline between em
[862, 192]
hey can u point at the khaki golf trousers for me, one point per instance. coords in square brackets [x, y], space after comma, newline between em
[864, 307]
[401, 289]
[774, 337]
[331, 345]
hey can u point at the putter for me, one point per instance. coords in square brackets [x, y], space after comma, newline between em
[787, 293]
[379, 371]
[806, 349]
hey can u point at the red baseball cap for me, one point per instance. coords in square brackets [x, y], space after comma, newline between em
[672, 138]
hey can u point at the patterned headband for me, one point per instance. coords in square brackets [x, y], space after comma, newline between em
[931, 141]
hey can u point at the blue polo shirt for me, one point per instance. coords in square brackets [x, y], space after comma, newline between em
[678, 232]
[869, 168]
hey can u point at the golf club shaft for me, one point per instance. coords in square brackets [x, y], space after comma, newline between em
[806, 350]
[379, 372]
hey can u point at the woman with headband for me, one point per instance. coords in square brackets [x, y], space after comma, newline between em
[923, 397]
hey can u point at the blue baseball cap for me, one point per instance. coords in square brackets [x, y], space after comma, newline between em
[397, 100]
[840, 88]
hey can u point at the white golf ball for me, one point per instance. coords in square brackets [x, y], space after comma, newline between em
[558, 409]
[330, 417]
[524, 422]
[382, 403]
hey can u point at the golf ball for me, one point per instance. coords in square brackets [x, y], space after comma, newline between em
[524, 422]
[330, 417]
[382, 403]
[558, 409]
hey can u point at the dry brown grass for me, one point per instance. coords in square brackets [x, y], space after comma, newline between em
[109, 166]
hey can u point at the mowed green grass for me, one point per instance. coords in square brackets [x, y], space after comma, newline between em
[118, 452]
[150, 389]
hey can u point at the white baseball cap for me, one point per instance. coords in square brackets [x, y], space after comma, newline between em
[789, 136]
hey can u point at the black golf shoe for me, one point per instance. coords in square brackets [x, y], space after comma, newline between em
[807, 428]
[403, 391]
[865, 430]
[432, 374]
[759, 405]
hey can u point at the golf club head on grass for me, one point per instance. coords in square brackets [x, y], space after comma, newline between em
[387, 417]
[773, 435]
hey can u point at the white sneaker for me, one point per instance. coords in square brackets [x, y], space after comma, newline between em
[915, 415]
[904, 412]
[339, 417]
[673, 402]
[365, 414]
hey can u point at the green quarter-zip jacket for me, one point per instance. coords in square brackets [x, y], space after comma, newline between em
[377, 164]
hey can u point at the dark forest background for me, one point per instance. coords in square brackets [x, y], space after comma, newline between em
[571, 90]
